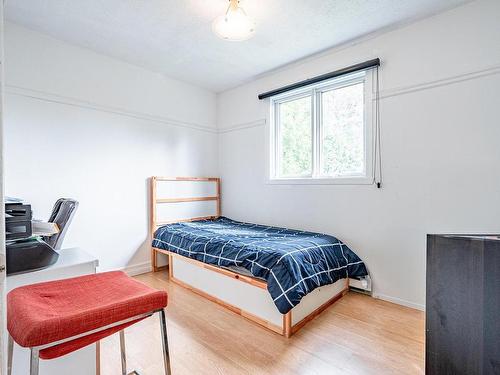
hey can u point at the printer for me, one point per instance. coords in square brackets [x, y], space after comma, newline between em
[24, 251]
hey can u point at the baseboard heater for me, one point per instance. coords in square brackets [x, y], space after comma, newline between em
[361, 285]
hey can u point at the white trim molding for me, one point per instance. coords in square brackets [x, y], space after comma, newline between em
[137, 269]
[466, 76]
[388, 93]
[66, 100]
[399, 301]
[242, 126]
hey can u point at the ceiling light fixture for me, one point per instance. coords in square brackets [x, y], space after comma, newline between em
[235, 25]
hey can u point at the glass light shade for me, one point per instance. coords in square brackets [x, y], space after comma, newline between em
[234, 26]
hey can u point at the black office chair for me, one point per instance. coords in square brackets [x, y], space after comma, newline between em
[62, 214]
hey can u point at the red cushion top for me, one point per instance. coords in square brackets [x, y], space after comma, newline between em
[43, 313]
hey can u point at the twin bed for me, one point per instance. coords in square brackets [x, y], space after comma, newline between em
[279, 278]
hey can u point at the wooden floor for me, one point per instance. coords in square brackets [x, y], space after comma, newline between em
[357, 335]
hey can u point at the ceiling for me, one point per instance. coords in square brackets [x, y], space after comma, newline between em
[174, 37]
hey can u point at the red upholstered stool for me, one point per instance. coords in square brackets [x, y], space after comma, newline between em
[58, 317]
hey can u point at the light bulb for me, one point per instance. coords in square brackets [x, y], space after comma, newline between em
[235, 25]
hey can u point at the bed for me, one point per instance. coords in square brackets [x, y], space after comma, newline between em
[277, 277]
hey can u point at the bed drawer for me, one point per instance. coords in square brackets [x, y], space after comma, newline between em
[251, 300]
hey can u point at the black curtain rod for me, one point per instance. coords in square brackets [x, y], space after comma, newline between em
[350, 69]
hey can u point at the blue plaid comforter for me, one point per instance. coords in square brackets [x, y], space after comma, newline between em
[292, 262]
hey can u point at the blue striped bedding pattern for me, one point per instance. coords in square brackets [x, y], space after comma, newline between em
[293, 262]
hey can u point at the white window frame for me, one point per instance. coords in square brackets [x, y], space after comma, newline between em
[315, 91]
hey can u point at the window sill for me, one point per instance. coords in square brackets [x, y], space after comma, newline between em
[321, 181]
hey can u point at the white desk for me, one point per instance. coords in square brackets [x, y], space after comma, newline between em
[72, 262]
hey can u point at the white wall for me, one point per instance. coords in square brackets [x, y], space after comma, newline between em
[3, 291]
[440, 113]
[81, 125]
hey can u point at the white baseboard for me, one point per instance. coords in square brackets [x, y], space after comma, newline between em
[137, 269]
[399, 301]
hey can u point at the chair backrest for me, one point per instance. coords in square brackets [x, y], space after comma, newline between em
[62, 214]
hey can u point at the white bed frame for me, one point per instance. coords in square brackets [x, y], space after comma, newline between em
[244, 295]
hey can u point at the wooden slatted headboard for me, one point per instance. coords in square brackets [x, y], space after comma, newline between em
[156, 200]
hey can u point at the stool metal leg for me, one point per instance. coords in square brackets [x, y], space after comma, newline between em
[10, 352]
[164, 340]
[34, 361]
[123, 352]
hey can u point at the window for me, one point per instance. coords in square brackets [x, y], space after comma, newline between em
[322, 133]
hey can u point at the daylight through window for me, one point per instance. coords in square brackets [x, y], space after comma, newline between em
[323, 132]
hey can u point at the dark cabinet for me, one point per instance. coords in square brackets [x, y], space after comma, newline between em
[463, 305]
